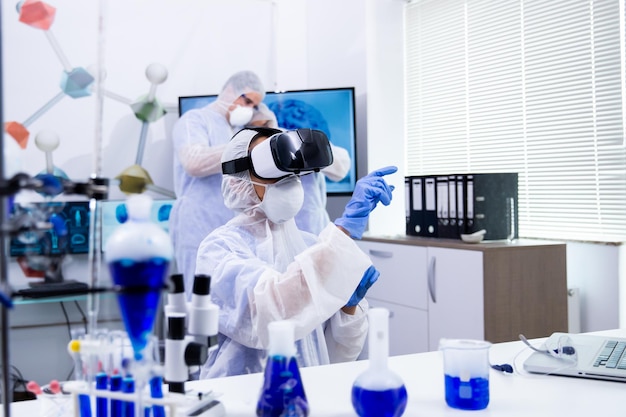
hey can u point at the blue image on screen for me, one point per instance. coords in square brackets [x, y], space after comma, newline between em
[68, 234]
[329, 110]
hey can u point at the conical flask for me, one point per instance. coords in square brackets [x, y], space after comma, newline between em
[138, 254]
[379, 392]
[282, 394]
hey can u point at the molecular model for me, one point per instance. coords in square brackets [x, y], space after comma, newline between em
[77, 82]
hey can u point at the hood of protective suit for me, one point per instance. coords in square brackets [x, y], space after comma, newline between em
[243, 82]
[238, 191]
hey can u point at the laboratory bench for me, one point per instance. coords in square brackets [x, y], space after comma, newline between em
[328, 388]
[492, 290]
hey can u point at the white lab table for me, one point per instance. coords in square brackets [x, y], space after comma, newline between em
[328, 389]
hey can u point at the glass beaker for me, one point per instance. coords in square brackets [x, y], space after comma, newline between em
[466, 372]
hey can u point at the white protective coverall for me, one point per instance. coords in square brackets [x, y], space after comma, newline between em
[262, 271]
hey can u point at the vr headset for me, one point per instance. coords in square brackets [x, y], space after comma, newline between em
[283, 153]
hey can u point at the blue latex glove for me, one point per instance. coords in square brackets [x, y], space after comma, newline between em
[368, 191]
[369, 278]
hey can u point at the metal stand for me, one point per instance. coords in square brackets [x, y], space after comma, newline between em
[4, 314]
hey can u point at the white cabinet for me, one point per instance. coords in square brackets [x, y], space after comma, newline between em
[436, 288]
[401, 288]
[405, 339]
[430, 293]
[455, 304]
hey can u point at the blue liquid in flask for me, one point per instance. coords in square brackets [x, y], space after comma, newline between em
[143, 282]
[282, 394]
[386, 403]
[467, 395]
[138, 255]
[379, 392]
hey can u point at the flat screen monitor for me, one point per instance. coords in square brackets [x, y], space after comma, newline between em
[330, 110]
[114, 214]
[70, 234]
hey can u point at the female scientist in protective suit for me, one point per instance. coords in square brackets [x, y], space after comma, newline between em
[264, 269]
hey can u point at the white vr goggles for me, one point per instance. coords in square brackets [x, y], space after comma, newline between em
[283, 153]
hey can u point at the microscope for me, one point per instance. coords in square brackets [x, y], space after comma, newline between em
[192, 329]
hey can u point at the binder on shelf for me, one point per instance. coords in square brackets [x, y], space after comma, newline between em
[461, 204]
[447, 206]
[469, 204]
[487, 196]
[430, 207]
[451, 231]
[407, 204]
[414, 191]
[443, 207]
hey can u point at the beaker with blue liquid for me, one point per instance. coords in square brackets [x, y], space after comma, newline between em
[466, 373]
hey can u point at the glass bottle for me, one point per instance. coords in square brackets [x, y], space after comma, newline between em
[138, 255]
[379, 392]
[282, 394]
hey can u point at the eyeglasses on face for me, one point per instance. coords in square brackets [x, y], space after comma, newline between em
[248, 102]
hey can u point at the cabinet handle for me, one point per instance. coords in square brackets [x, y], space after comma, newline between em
[432, 279]
[381, 253]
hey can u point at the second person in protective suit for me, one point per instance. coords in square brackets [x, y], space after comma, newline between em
[199, 138]
[264, 269]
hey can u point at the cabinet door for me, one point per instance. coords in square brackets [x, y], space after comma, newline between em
[402, 273]
[455, 299]
[408, 328]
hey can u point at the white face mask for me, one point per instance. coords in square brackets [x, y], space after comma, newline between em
[282, 200]
[240, 116]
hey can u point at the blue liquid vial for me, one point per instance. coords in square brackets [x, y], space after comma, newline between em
[282, 393]
[467, 395]
[386, 403]
[379, 392]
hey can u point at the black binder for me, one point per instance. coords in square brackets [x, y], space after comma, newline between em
[461, 205]
[443, 207]
[430, 207]
[453, 232]
[487, 196]
[414, 190]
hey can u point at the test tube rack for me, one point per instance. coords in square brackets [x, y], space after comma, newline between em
[179, 405]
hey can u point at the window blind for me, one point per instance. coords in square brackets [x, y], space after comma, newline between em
[527, 86]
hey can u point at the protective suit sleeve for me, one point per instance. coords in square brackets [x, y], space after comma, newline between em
[340, 166]
[196, 145]
[345, 334]
[250, 293]
[201, 160]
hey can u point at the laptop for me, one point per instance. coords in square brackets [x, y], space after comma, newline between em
[595, 357]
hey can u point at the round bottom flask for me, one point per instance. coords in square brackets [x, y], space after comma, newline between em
[379, 392]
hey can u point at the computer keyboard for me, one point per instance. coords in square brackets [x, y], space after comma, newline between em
[54, 289]
[612, 355]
